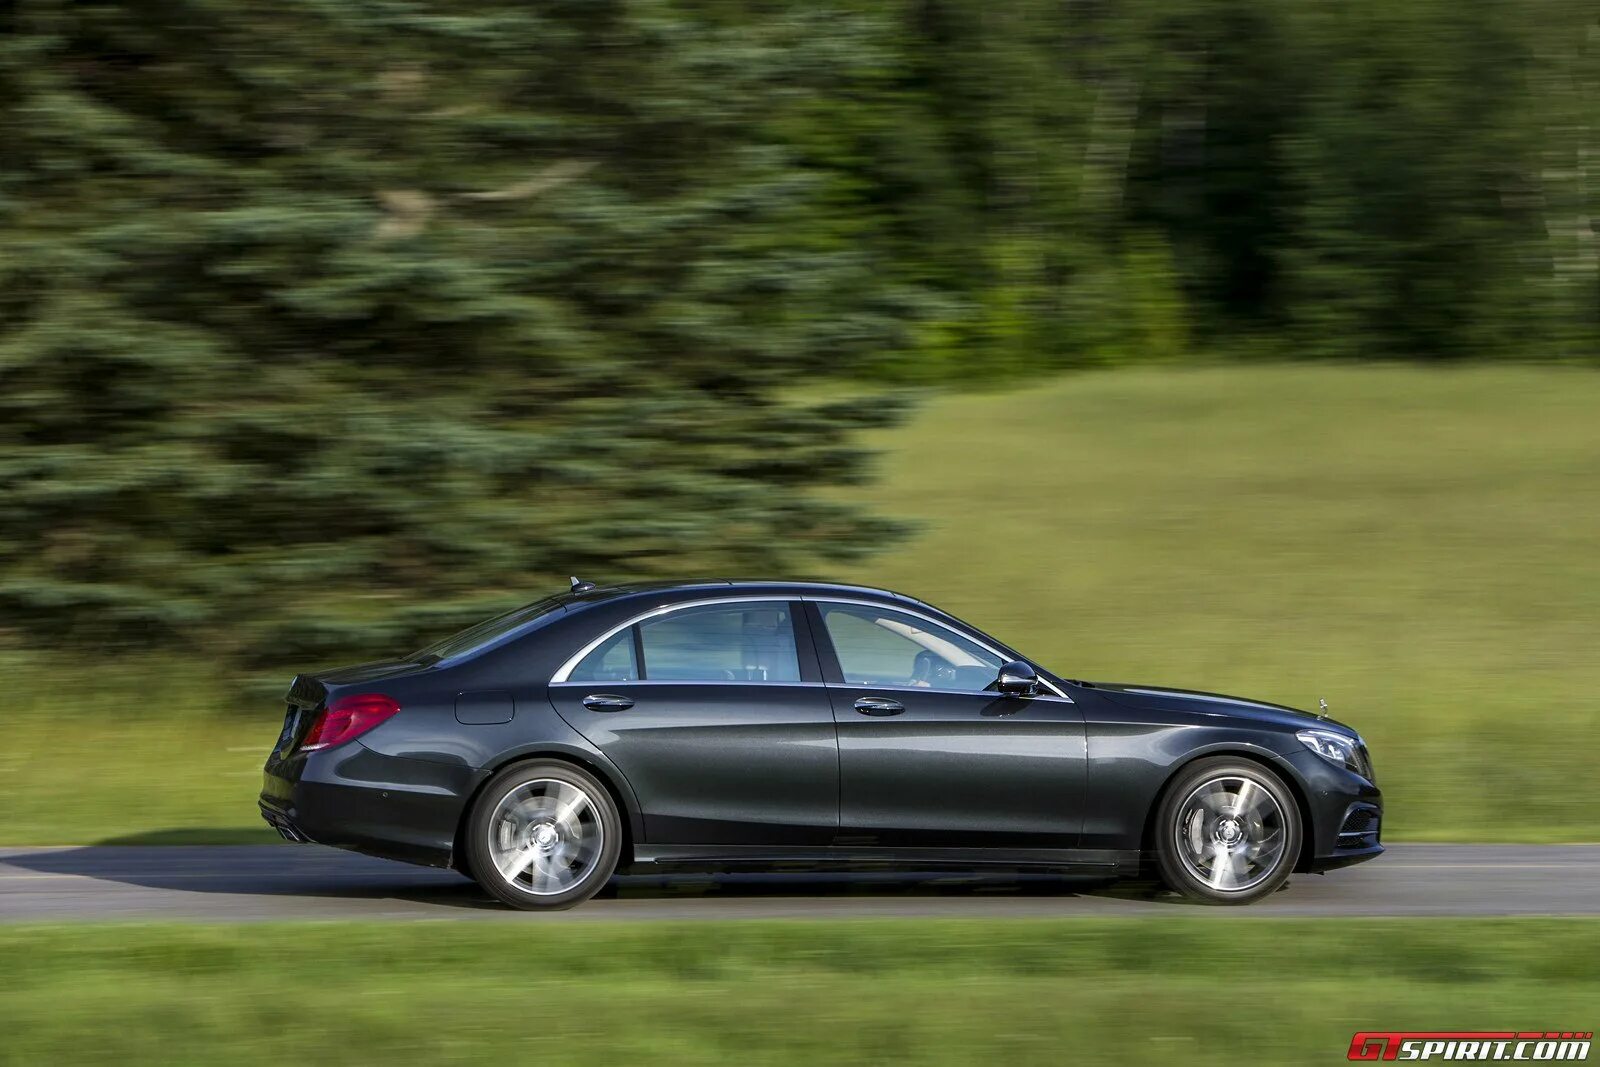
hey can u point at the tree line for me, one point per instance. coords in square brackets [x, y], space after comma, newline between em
[328, 324]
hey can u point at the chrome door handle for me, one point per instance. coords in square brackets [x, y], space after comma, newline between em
[607, 702]
[879, 706]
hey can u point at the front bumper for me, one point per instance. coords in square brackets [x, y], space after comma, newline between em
[1346, 810]
[354, 798]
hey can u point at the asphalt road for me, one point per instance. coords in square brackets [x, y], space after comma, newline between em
[243, 883]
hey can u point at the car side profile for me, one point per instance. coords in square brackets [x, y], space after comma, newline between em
[726, 725]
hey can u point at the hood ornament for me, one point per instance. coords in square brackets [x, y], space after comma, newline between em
[1322, 706]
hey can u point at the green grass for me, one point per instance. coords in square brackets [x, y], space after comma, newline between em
[1133, 991]
[129, 752]
[1420, 547]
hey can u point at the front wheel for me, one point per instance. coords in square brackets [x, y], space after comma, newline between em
[1228, 832]
[543, 835]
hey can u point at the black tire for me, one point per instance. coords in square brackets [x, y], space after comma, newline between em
[1200, 855]
[550, 850]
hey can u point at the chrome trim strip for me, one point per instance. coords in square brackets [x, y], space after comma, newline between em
[566, 669]
[932, 622]
[563, 675]
[1052, 695]
[616, 682]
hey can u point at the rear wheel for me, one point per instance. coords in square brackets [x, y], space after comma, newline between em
[1228, 832]
[543, 835]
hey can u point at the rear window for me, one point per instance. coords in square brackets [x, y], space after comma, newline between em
[489, 630]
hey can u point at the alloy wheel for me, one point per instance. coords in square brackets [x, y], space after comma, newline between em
[1230, 833]
[546, 836]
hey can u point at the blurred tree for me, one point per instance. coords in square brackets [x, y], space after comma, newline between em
[1412, 160]
[1566, 189]
[328, 323]
[1380, 179]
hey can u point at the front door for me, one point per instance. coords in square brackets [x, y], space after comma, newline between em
[722, 734]
[927, 757]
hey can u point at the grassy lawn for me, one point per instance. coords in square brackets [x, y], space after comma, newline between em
[132, 752]
[1422, 548]
[1140, 991]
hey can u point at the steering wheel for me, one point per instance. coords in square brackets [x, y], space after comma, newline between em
[929, 671]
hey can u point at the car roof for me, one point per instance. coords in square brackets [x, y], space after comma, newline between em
[733, 587]
[585, 597]
[664, 593]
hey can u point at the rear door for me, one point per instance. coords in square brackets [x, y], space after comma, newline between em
[716, 714]
[927, 757]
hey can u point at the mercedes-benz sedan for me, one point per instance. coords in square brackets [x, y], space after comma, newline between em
[736, 725]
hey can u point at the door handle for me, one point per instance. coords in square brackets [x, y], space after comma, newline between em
[879, 706]
[607, 702]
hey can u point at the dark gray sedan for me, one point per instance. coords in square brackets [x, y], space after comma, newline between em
[735, 725]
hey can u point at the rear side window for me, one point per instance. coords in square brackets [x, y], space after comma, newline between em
[613, 661]
[722, 643]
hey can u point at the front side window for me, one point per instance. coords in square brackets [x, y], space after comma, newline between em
[751, 642]
[880, 646]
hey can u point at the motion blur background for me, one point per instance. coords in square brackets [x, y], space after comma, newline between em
[1240, 344]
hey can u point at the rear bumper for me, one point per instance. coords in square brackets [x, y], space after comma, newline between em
[353, 798]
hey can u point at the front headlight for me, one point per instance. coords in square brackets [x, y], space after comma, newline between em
[1336, 748]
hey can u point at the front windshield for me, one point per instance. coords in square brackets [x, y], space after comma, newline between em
[480, 634]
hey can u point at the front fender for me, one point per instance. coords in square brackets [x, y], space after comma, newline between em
[1134, 752]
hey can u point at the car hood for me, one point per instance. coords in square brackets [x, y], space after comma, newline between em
[1162, 699]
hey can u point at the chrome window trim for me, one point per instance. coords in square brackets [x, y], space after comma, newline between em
[931, 622]
[617, 683]
[563, 675]
[1052, 695]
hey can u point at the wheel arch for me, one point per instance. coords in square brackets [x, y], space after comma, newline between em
[1261, 757]
[621, 796]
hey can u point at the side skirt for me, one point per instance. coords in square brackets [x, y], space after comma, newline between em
[1093, 861]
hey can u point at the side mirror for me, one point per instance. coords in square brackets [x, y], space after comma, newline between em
[1017, 679]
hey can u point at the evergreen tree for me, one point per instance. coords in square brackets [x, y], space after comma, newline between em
[331, 323]
[1413, 160]
[328, 323]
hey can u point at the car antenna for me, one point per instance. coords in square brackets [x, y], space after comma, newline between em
[581, 586]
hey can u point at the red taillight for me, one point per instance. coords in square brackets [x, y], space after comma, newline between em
[348, 718]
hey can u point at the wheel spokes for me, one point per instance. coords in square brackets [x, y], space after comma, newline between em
[1229, 867]
[1242, 799]
[545, 836]
[1231, 833]
[518, 863]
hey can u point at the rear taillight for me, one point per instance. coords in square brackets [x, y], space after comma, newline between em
[348, 718]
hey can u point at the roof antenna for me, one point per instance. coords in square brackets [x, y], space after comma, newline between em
[581, 586]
